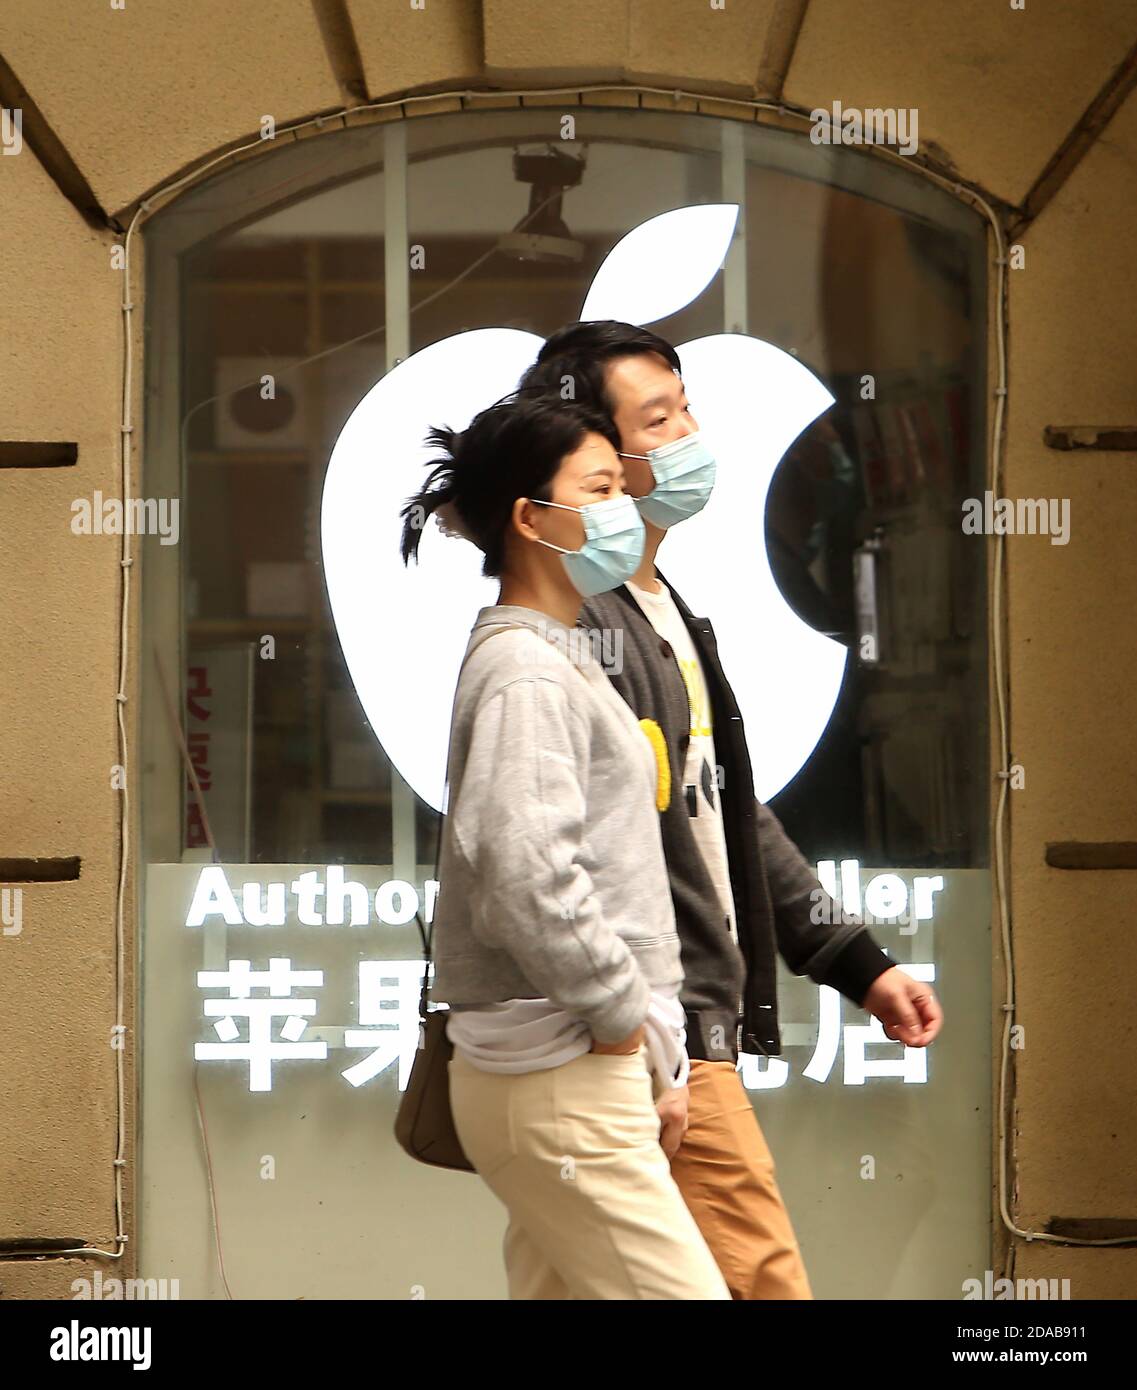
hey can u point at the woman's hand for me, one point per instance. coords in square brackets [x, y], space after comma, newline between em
[672, 1108]
[631, 1043]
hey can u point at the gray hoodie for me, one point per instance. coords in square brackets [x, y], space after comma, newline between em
[552, 877]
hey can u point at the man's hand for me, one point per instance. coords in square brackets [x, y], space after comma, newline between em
[907, 1008]
[672, 1107]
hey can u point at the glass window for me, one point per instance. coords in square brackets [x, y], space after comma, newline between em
[279, 294]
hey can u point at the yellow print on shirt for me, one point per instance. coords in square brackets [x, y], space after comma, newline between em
[696, 698]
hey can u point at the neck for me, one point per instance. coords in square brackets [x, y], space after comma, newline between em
[542, 594]
[644, 577]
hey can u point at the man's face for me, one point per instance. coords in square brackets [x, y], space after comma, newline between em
[649, 408]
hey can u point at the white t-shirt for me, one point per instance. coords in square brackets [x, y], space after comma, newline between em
[700, 771]
[533, 1034]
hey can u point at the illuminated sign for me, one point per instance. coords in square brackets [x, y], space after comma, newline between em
[333, 900]
[266, 1014]
[313, 901]
[751, 399]
[886, 897]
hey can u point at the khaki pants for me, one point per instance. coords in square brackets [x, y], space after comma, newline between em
[573, 1152]
[726, 1175]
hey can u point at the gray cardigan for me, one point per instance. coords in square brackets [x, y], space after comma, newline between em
[552, 877]
[775, 890]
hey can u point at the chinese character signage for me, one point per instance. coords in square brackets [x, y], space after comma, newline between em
[268, 998]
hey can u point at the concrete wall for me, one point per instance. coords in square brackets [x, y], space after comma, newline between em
[998, 90]
[1073, 664]
[62, 381]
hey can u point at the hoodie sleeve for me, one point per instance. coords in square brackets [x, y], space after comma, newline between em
[519, 823]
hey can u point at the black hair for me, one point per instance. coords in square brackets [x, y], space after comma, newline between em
[576, 358]
[511, 449]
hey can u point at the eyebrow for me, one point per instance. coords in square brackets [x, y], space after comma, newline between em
[608, 473]
[656, 401]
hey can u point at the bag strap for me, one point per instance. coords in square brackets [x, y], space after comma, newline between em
[427, 939]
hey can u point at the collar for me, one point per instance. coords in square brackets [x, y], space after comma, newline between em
[678, 602]
[514, 615]
[625, 595]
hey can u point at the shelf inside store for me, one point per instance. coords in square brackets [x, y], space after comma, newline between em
[272, 458]
[245, 627]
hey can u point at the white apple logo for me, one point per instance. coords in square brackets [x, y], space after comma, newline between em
[403, 629]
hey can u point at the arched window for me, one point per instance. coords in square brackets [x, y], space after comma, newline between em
[279, 292]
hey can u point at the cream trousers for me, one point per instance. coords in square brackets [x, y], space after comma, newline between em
[573, 1152]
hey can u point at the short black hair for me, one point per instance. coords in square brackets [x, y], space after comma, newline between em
[576, 359]
[511, 449]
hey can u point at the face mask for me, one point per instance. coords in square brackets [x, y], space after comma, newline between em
[684, 473]
[613, 545]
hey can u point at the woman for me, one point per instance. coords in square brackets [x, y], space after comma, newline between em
[554, 936]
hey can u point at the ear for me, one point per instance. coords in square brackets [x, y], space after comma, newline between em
[522, 518]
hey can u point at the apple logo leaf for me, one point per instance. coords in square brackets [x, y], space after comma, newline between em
[663, 264]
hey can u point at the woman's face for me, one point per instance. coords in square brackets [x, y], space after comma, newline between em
[593, 472]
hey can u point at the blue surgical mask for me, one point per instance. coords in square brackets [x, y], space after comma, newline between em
[613, 545]
[684, 473]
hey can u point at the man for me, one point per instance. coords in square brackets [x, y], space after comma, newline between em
[742, 891]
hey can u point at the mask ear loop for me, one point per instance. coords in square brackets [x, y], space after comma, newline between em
[647, 457]
[564, 507]
[650, 469]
